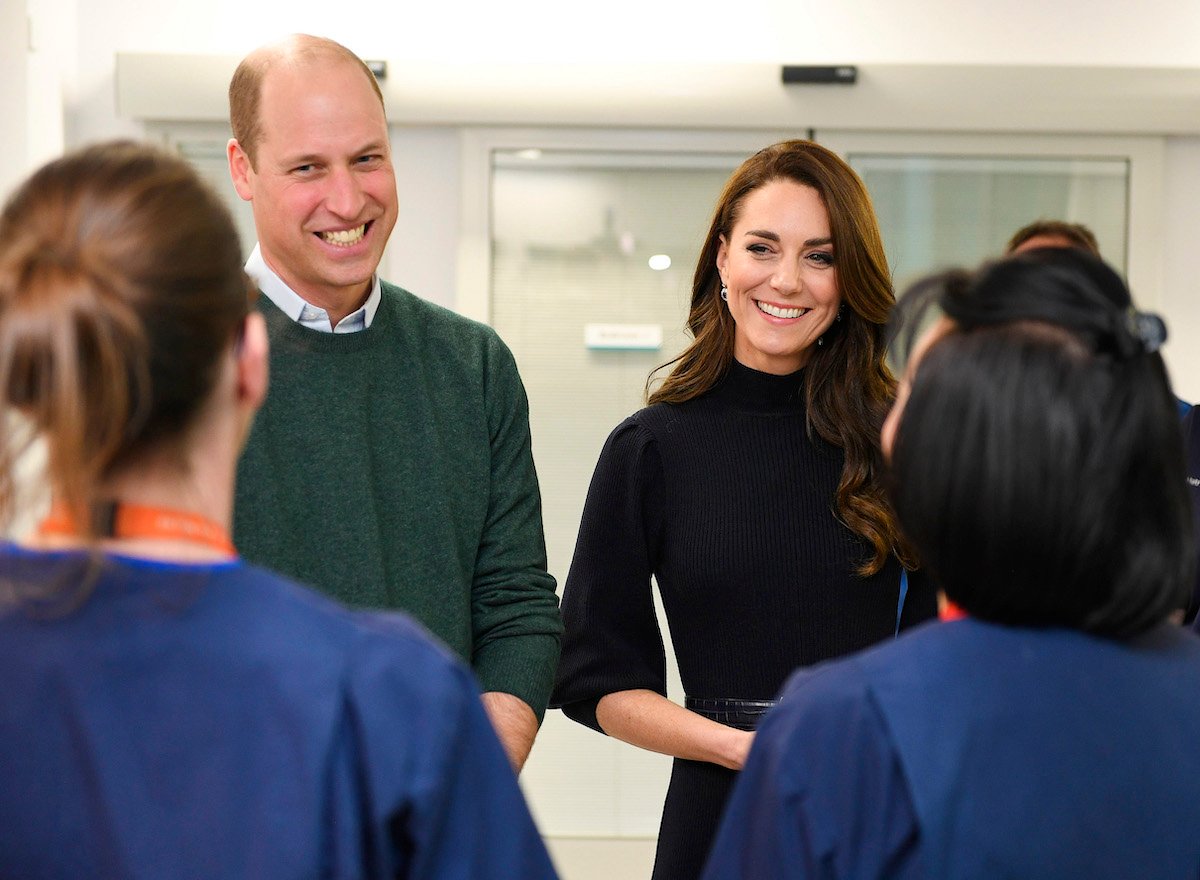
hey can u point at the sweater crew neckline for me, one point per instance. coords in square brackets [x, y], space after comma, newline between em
[283, 328]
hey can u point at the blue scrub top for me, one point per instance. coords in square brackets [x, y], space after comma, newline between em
[966, 750]
[170, 721]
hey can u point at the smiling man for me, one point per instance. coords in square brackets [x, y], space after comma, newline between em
[391, 464]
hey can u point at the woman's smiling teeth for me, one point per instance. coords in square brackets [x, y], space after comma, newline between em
[344, 237]
[777, 312]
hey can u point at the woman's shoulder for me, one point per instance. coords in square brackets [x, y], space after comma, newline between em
[652, 427]
[657, 418]
[304, 627]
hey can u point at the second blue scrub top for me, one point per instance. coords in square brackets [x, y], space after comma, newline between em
[969, 750]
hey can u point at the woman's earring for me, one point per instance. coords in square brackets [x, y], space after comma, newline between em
[724, 293]
[839, 314]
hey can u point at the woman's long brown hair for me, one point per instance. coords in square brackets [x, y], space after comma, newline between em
[848, 386]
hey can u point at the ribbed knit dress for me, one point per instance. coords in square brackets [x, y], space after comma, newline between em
[729, 504]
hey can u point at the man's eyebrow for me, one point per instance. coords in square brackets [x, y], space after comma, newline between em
[313, 158]
[372, 147]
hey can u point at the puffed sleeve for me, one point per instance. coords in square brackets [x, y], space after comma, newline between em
[423, 772]
[611, 640]
[823, 793]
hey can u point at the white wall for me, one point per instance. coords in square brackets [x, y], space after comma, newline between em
[1181, 265]
[14, 43]
[1104, 32]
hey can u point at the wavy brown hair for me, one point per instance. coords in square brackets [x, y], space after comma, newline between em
[121, 287]
[847, 384]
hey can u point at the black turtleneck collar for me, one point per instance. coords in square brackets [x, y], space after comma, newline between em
[749, 390]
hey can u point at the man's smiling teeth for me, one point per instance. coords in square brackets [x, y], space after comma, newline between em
[345, 237]
[777, 312]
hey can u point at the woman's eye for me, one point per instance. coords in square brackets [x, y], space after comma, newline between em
[758, 249]
[822, 257]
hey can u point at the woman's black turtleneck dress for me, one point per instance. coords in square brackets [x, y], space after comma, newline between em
[729, 504]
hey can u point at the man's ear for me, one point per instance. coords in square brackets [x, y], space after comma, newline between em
[241, 171]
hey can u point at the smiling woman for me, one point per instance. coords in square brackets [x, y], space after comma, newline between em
[779, 276]
[748, 490]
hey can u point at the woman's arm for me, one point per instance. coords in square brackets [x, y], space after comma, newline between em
[612, 644]
[649, 720]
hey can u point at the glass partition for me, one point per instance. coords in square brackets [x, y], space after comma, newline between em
[938, 211]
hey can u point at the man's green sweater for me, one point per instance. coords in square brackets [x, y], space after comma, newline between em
[392, 468]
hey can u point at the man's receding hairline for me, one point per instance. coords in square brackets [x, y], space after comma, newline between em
[303, 50]
[294, 53]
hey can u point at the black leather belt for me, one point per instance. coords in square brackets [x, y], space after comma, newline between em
[742, 714]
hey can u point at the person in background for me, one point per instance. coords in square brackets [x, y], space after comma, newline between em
[1057, 233]
[1035, 454]
[169, 710]
[749, 489]
[391, 465]
[1053, 233]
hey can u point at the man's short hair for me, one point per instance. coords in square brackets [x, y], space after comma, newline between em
[1078, 235]
[245, 88]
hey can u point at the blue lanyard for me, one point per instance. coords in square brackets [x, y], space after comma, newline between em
[903, 595]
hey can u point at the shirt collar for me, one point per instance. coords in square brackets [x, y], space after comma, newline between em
[303, 312]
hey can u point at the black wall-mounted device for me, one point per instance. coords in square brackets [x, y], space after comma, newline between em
[831, 74]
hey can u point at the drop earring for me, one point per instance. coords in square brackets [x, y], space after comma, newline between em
[724, 293]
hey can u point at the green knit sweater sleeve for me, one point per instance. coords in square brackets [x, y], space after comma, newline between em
[514, 615]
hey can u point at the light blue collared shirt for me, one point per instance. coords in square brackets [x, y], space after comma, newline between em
[304, 313]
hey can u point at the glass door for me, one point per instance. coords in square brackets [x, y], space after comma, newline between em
[955, 200]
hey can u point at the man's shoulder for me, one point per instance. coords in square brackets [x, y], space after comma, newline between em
[452, 346]
[424, 316]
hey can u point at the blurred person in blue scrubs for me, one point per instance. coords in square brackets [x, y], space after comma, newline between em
[1034, 451]
[170, 711]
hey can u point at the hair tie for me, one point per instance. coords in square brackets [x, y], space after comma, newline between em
[1148, 328]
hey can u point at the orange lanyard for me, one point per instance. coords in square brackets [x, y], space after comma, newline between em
[950, 611]
[143, 521]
